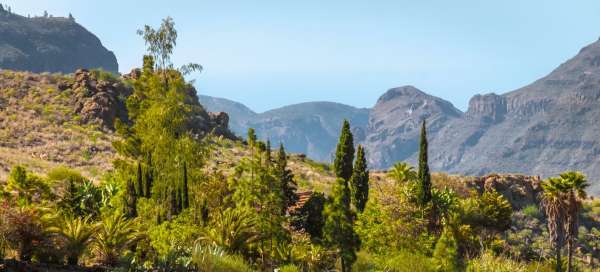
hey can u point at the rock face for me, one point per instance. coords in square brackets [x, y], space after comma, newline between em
[50, 44]
[97, 101]
[519, 190]
[394, 124]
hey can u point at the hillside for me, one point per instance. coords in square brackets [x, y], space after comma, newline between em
[50, 44]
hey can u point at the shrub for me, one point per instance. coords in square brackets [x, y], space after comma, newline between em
[532, 210]
[21, 228]
[487, 262]
[213, 258]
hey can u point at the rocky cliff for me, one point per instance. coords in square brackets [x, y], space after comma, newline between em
[50, 44]
[543, 129]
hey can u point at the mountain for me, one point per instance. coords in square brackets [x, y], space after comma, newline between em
[541, 129]
[311, 128]
[50, 44]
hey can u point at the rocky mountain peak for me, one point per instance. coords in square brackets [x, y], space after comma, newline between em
[407, 91]
[490, 106]
[50, 44]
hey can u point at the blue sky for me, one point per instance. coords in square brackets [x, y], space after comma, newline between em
[267, 54]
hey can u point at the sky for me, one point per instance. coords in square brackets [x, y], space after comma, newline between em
[267, 54]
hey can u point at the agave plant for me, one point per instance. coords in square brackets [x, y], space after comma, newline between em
[76, 234]
[114, 234]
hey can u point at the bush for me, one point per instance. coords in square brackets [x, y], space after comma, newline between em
[532, 210]
[212, 258]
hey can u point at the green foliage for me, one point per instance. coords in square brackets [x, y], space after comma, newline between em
[212, 258]
[310, 216]
[445, 254]
[234, 230]
[532, 210]
[359, 182]
[490, 212]
[424, 177]
[285, 178]
[114, 234]
[75, 233]
[339, 229]
[28, 186]
[402, 172]
[344, 153]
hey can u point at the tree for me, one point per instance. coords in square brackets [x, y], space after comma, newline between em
[251, 137]
[446, 254]
[339, 224]
[359, 182]
[574, 195]
[424, 177]
[402, 172]
[186, 196]
[114, 234]
[285, 179]
[140, 181]
[344, 153]
[131, 200]
[555, 208]
[76, 233]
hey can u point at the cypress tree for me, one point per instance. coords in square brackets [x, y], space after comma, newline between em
[359, 183]
[268, 152]
[424, 177]
[338, 229]
[251, 137]
[186, 199]
[286, 179]
[131, 200]
[344, 153]
[172, 200]
[179, 200]
[149, 178]
[140, 181]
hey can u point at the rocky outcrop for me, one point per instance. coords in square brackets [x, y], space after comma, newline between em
[50, 44]
[492, 107]
[519, 190]
[98, 101]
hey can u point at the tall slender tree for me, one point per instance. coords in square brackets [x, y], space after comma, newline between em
[251, 137]
[186, 196]
[424, 177]
[339, 226]
[131, 200]
[285, 179]
[344, 153]
[574, 195]
[149, 177]
[140, 181]
[359, 182]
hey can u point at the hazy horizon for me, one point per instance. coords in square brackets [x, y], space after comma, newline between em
[274, 54]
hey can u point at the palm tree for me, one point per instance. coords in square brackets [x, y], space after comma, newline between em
[402, 172]
[114, 234]
[555, 205]
[77, 234]
[233, 230]
[575, 194]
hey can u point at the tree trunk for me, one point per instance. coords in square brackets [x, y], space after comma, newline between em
[73, 259]
[570, 256]
[558, 260]
[343, 265]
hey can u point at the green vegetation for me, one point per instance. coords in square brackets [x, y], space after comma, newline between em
[175, 200]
